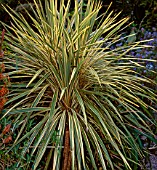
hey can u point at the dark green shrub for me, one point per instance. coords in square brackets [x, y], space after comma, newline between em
[13, 4]
[138, 10]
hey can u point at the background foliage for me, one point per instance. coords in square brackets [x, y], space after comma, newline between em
[137, 10]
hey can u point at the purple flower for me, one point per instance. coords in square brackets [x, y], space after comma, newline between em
[148, 52]
[112, 48]
[142, 29]
[118, 45]
[139, 51]
[150, 66]
[138, 55]
[149, 34]
[154, 34]
[132, 52]
[154, 29]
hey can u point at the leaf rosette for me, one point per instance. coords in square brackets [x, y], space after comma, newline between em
[65, 77]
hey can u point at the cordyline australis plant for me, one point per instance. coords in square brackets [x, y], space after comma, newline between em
[68, 81]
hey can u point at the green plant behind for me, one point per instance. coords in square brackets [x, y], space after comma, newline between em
[70, 83]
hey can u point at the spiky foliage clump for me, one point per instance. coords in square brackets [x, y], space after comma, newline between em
[66, 78]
